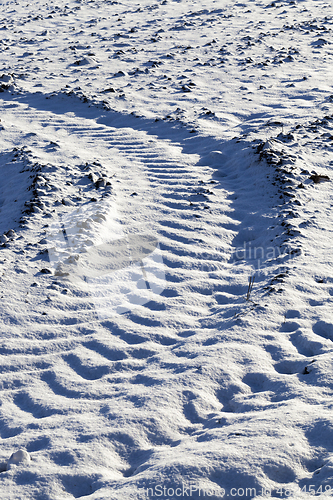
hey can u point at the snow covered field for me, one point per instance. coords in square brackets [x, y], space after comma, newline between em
[165, 246]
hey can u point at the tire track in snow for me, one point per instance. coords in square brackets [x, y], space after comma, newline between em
[81, 354]
[112, 373]
[170, 190]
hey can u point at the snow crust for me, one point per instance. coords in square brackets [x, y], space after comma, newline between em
[166, 249]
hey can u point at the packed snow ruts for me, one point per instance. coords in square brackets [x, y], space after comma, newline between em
[209, 129]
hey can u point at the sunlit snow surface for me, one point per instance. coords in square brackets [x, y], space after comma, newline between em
[154, 157]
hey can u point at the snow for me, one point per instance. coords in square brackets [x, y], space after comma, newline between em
[165, 249]
[17, 458]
